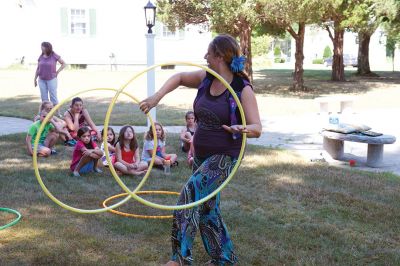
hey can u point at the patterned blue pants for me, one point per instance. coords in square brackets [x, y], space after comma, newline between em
[208, 174]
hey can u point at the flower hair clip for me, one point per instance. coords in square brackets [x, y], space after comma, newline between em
[237, 64]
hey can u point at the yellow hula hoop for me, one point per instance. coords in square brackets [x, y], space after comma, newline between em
[35, 163]
[198, 202]
[140, 216]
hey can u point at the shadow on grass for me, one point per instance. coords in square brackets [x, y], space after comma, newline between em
[278, 209]
[278, 82]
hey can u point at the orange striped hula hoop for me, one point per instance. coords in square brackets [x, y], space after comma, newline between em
[140, 216]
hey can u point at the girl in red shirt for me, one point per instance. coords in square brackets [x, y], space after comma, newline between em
[127, 153]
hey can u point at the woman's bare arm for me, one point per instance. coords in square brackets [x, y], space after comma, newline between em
[36, 75]
[63, 65]
[74, 126]
[89, 120]
[187, 79]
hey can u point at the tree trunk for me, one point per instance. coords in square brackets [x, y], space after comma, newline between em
[363, 53]
[245, 45]
[298, 81]
[337, 64]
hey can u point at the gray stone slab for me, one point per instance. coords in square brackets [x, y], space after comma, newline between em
[383, 139]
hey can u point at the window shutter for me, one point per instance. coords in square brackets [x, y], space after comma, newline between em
[92, 21]
[64, 20]
[158, 29]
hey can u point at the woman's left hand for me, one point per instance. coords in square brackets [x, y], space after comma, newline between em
[235, 129]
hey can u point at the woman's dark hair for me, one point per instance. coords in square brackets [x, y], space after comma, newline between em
[188, 113]
[75, 100]
[82, 131]
[149, 135]
[133, 145]
[48, 47]
[112, 131]
[226, 46]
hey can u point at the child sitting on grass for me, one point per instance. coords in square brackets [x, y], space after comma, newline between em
[127, 153]
[86, 155]
[187, 132]
[58, 123]
[110, 144]
[47, 140]
[161, 155]
[186, 136]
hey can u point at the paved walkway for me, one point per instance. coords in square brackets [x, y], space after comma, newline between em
[300, 133]
[11, 125]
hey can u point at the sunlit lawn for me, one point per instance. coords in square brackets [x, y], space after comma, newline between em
[280, 210]
[20, 99]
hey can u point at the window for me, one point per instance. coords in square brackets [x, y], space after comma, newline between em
[166, 33]
[163, 32]
[79, 22]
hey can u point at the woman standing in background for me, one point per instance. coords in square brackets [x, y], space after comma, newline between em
[47, 73]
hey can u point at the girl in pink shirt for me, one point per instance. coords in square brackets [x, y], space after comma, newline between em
[86, 155]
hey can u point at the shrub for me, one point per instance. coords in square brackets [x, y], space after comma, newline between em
[78, 66]
[260, 45]
[279, 60]
[277, 52]
[327, 52]
[318, 61]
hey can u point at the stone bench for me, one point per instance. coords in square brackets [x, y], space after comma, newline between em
[346, 104]
[333, 143]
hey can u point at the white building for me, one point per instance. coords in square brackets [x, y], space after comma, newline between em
[90, 32]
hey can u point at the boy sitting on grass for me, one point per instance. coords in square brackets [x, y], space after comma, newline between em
[47, 139]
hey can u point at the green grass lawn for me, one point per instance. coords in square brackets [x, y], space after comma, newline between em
[279, 209]
[123, 112]
[318, 82]
[20, 99]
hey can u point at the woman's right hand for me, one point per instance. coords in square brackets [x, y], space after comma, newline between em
[35, 82]
[149, 103]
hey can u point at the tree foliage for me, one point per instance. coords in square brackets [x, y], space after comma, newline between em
[391, 24]
[235, 17]
[361, 16]
[247, 18]
[278, 16]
